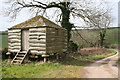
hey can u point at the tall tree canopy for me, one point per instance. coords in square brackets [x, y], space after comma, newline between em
[80, 9]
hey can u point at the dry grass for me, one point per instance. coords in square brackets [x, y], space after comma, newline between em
[93, 51]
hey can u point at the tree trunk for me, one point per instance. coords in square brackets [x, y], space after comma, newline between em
[66, 24]
[102, 38]
[101, 42]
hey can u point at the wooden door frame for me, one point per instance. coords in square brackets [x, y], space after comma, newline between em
[21, 35]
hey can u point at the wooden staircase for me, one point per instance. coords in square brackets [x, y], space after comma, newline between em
[19, 57]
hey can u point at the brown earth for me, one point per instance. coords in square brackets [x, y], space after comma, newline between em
[93, 51]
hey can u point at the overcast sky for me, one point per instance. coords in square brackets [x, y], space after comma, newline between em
[6, 23]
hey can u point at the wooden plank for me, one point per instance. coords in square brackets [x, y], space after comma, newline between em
[15, 50]
[14, 37]
[39, 41]
[37, 45]
[55, 36]
[61, 46]
[38, 48]
[62, 42]
[55, 49]
[42, 37]
[34, 51]
[34, 31]
[14, 44]
[36, 41]
[16, 40]
[14, 31]
[52, 32]
[41, 52]
[55, 40]
[50, 39]
[16, 34]
[33, 37]
[37, 37]
[37, 52]
[39, 33]
[51, 52]
[37, 29]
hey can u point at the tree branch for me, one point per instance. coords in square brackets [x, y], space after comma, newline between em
[82, 37]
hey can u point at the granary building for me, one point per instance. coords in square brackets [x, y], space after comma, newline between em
[36, 36]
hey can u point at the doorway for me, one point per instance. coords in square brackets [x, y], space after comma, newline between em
[25, 39]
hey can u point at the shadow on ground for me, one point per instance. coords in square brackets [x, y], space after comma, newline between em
[69, 59]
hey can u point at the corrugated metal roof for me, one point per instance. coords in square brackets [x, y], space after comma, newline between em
[36, 22]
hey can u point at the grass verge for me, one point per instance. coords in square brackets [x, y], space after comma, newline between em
[93, 58]
[4, 41]
[37, 70]
[118, 61]
[67, 67]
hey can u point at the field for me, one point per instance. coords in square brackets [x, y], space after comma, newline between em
[3, 40]
[112, 36]
[66, 67]
[93, 37]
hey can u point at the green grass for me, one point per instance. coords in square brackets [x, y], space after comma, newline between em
[118, 61]
[36, 70]
[95, 57]
[3, 41]
[112, 36]
[92, 35]
[69, 67]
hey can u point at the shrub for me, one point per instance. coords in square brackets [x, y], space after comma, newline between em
[114, 46]
[106, 44]
[4, 51]
[73, 46]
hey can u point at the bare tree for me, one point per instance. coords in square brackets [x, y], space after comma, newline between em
[99, 20]
[104, 24]
[66, 9]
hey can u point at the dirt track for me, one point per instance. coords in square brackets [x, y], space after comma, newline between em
[105, 68]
